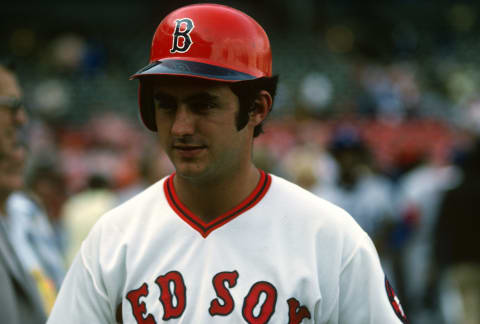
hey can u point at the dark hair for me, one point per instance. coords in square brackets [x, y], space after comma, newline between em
[247, 92]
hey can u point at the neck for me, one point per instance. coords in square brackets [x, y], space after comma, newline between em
[212, 199]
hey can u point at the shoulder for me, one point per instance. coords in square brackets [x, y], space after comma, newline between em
[314, 215]
[290, 197]
[108, 240]
[123, 222]
[20, 203]
[135, 209]
[320, 229]
[282, 188]
[25, 213]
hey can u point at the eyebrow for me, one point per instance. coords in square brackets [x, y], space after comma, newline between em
[201, 96]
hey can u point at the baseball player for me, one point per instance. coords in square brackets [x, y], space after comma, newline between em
[220, 241]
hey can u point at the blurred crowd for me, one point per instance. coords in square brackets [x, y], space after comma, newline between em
[394, 142]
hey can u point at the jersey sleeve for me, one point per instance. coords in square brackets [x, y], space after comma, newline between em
[80, 300]
[83, 296]
[365, 296]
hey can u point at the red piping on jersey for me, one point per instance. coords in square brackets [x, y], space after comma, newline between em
[206, 228]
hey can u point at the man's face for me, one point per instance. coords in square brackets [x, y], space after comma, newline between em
[196, 122]
[12, 118]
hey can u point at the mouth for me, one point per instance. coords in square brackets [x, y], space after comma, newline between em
[189, 150]
[188, 147]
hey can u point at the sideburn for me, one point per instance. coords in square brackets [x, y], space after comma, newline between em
[241, 119]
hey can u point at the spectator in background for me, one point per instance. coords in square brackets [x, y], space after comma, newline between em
[46, 182]
[457, 252]
[303, 165]
[82, 210]
[33, 240]
[153, 166]
[419, 190]
[19, 301]
[33, 235]
[360, 190]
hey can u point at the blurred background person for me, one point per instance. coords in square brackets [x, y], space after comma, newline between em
[34, 241]
[45, 182]
[20, 301]
[82, 210]
[457, 253]
[420, 186]
[153, 165]
[360, 189]
[34, 227]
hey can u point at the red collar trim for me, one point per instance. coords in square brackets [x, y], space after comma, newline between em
[206, 228]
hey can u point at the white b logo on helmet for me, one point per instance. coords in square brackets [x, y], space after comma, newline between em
[181, 35]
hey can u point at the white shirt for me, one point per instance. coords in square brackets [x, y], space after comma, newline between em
[282, 256]
[369, 201]
[33, 238]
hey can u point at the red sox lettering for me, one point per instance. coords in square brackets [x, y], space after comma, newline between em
[166, 297]
[252, 298]
[223, 305]
[139, 309]
[223, 293]
[181, 38]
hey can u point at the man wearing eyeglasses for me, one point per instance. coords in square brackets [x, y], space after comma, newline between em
[12, 117]
[19, 300]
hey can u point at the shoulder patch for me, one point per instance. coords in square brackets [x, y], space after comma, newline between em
[395, 302]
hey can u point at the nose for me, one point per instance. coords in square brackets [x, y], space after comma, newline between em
[183, 122]
[20, 116]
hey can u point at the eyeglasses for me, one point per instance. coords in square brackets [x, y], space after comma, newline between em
[11, 102]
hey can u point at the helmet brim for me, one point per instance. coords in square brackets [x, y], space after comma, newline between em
[191, 69]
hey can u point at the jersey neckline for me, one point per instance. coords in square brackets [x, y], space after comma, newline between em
[206, 228]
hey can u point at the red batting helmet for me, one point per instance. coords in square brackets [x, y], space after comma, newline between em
[207, 41]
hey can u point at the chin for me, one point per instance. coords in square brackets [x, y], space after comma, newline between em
[189, 174]
[13, 181]
[11, 185]
[17, 183]
[193, 173]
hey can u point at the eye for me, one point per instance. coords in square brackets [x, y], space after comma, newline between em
[164, 103]
[203, 106]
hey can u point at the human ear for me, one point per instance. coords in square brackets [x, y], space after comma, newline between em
[261, 108]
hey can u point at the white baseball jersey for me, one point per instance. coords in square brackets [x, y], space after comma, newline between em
[282, 256]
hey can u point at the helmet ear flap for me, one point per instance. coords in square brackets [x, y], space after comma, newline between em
[145, 101]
